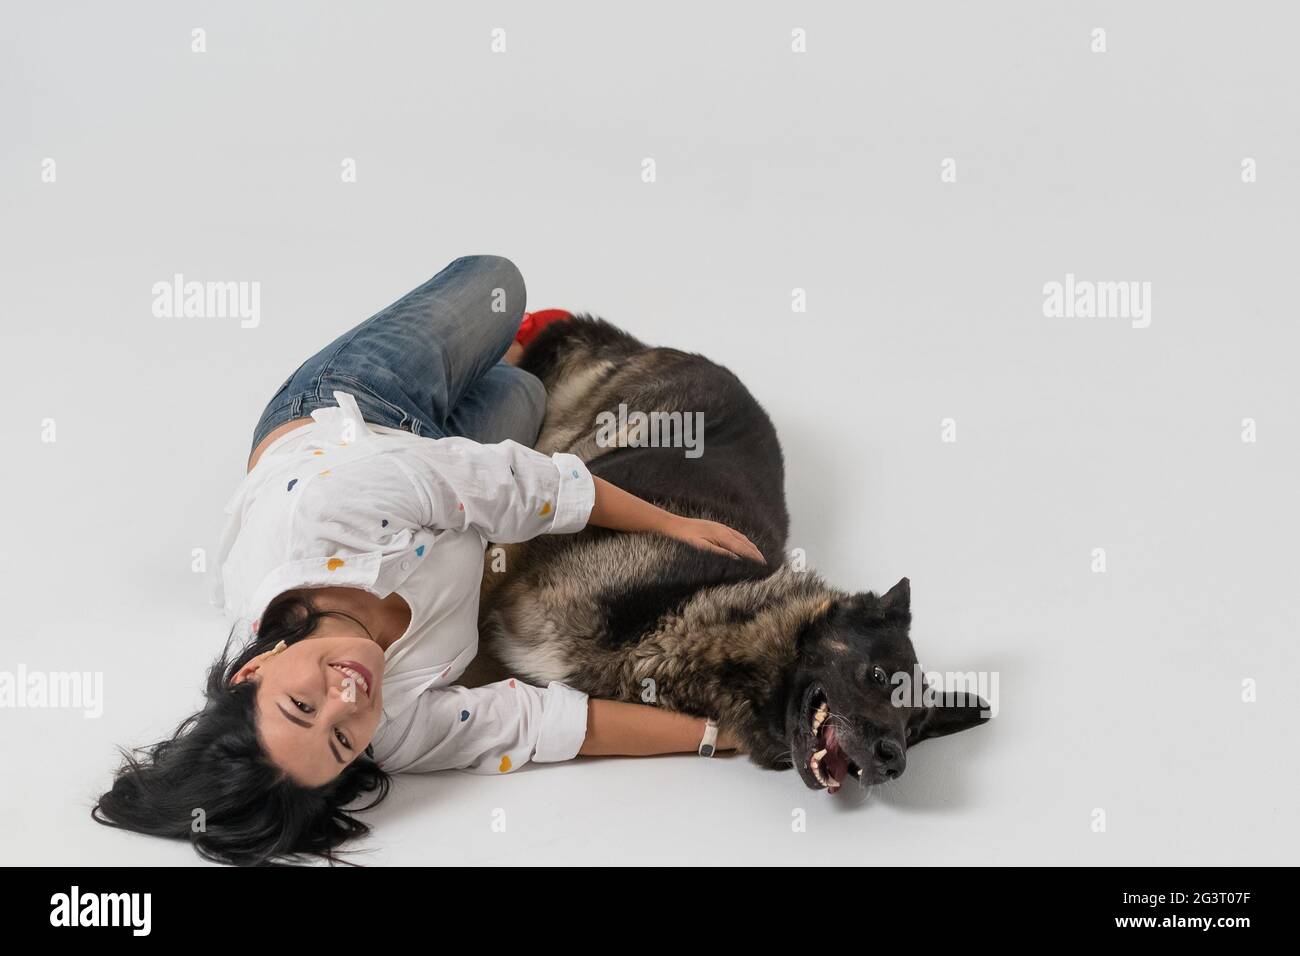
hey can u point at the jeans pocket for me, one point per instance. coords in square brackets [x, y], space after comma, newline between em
[287, 382]
[375, 408]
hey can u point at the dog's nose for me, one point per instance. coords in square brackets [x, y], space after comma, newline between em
[890, 757]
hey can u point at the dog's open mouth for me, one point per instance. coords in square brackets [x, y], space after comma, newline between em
[829, 764]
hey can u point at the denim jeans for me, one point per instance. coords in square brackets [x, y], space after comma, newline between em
[430, 363]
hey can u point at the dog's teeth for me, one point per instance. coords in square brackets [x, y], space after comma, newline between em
[815, 764]
[819, 718]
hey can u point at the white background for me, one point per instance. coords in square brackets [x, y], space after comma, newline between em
[776, 171]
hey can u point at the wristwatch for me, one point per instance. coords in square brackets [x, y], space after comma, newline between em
[709, 743]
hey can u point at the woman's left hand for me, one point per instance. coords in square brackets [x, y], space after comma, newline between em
[617, 510]
[712, 536]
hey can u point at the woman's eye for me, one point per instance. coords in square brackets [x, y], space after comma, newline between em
[878, 674]
[305, 708]
[342, 738]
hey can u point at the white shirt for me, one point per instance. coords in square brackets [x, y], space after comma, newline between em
[339, 502]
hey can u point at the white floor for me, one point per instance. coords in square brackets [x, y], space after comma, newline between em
[1119, 691]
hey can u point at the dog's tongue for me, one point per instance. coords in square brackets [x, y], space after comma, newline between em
[835, 764]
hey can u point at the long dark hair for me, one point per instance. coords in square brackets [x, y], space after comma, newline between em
[211, 782]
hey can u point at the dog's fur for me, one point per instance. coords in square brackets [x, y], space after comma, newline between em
[645, 618]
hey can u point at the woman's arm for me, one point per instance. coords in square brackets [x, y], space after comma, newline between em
[615, 728]
[619, 511]
[511, 493]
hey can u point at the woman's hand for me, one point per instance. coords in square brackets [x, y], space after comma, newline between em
[619, 511]
[712, 536]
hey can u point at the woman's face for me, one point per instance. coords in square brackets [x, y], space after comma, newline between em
[318, 701]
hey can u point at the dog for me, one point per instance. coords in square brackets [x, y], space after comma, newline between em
[801, 674]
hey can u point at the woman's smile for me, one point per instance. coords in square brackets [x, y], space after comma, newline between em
[359, 674]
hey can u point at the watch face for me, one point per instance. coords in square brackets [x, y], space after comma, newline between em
[706, 750]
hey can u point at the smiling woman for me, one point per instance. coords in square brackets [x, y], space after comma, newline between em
[353, 551]
[213, 784]
[316, 709]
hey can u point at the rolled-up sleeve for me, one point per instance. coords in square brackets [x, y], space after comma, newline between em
[506, 491]
[491, 729]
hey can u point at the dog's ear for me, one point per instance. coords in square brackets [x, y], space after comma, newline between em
[898, 599]
[958, 711]
[894, 604]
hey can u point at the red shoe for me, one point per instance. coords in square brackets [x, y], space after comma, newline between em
[534, 322]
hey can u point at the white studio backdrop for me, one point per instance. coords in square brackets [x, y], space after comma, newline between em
[921, 172]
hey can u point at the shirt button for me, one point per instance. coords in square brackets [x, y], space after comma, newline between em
[406, 565]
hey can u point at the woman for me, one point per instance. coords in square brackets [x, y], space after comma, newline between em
[353, 552]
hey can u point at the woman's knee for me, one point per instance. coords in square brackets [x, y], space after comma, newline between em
[501, 279]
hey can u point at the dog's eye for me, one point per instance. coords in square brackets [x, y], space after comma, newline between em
[879, 676]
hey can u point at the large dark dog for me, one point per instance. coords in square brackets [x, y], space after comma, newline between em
[800, 673]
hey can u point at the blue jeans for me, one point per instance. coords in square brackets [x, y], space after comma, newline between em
[430, 363]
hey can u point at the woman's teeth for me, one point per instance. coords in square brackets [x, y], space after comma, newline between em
[357, 679]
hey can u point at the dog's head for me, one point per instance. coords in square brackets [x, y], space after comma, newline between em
[852, 714]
